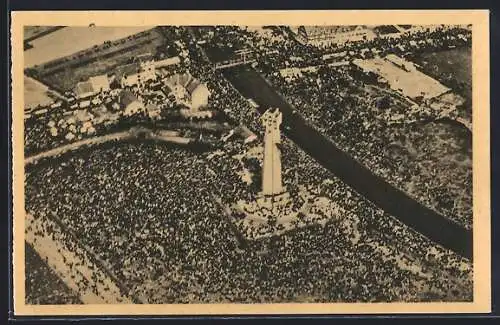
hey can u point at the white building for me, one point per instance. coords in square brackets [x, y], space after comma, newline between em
[325, 35]
[189, 91]
[136, 74]
[167, 62]
[92, 86]
[84, 89]
[84, 104]
[100, 83]
[130, 104]
[199, 96]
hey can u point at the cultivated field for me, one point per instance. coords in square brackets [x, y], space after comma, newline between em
[69, 40]
[65, 73]
[35, 94]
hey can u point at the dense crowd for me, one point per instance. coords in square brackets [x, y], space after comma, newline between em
[408, 154]
[42, 285]
[159, 222]
[355, 112]
[155, 213]
[286, 51]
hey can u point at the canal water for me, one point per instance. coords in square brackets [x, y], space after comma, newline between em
[392, 200]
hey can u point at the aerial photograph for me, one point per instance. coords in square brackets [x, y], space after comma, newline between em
[248, 164]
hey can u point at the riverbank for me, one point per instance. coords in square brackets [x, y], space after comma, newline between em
[398, 204]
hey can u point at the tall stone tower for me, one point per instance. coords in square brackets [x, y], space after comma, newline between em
[271, 175]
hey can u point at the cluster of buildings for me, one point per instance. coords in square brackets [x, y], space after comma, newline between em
[145, 86]
[137, 73]
[402, 76]
[188, 91]
[74, 125]
[332, 34]
[338, 35]
[132, 79]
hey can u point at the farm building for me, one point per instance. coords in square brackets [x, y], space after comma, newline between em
[130, 103]
[189, 91]
[92, 86]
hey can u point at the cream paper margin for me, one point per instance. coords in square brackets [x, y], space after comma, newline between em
[481, 154]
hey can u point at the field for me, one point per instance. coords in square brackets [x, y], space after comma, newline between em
[411, 83]
[34, 32]
[35, 94]
[453, 68]
[70, 40]
[64, 75]
[452, 64]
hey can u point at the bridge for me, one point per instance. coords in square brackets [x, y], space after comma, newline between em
[241, 57]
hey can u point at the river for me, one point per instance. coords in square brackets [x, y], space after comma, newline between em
[392, 200]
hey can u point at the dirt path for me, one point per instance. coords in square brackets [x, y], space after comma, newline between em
[75, 146]
[99, 140]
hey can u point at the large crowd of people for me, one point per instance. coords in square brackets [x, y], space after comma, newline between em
[355, 111]
[406, 154]
[42, 286]
[160, 228]
[152, 212]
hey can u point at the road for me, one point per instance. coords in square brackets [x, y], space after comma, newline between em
[392, 200]
[76, 145]
[73, 266]
[117, 136]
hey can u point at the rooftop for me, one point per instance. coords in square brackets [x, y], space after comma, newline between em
[126, 98]
[126, 70]
[317, 30]
[84, 87]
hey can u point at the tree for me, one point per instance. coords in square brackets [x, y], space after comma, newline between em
[384, 102]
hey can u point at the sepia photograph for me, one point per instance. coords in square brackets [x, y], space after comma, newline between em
[226, 163]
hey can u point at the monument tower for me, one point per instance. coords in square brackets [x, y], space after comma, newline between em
[271, 174]
[273, 210]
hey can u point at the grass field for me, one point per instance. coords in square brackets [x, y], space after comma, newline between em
[72, 39]
[449, 66]
[35, 94]
[65, 75]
